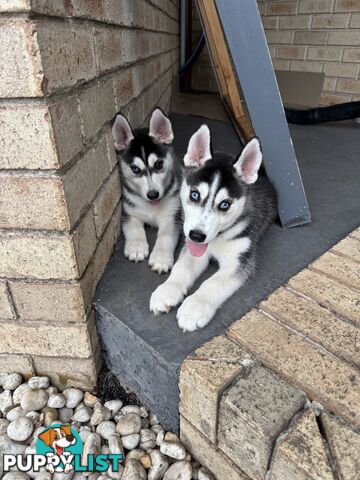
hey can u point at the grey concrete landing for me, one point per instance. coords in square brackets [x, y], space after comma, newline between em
[146, 352]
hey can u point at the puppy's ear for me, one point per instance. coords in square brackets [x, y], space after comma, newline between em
[46, 437]
[160, 127]
[66, 429]
[122, 132]
[199, 148]
[248, 164]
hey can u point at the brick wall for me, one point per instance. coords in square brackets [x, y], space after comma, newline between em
[66, 68]
[307, 35]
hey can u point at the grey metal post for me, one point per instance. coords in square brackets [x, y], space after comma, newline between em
[247, 44]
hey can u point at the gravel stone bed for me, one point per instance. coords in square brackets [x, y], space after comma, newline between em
[150, 453]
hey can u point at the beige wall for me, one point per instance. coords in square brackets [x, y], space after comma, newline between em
[65, 70]
[307, 35]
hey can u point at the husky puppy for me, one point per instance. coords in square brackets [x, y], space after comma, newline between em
[224, 216]
[150, 188]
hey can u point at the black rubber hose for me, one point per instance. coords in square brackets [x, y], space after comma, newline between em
[343, 111]
[194, 56]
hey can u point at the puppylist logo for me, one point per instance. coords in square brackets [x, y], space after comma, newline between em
[59, 449]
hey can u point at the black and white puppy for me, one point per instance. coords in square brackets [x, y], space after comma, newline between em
[150, 188]
[225, 213]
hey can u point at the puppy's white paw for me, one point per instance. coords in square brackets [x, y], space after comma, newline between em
[136, 251]
[165, 297]
[161, 261]
[194, 313]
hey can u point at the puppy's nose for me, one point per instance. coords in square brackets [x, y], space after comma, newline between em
[197, 236]
[153, 194]
[70, 438]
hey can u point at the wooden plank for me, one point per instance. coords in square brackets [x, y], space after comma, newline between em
[223, 65]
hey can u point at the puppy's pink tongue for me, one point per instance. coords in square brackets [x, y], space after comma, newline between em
[197, 249]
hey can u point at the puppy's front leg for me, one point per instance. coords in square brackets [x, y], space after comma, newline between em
[136, 246]
[162, 257]
[197, 310]
[184, 273]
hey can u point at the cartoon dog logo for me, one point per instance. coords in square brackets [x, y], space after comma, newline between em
[58, 438]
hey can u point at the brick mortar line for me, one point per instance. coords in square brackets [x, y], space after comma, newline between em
[49, 323]
[11, 300]
[333, 277]
[279, 319]
[326, 443]
[344, 255]
[60, 172]
[36, 16]
[30, 355]
[284, 434]
[338, 315]
[64, 93]
[163, 11]
[55, 281]
[319, 348]
[63, 170]
[227, 459]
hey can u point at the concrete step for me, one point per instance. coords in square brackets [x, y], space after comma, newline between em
[146, 352]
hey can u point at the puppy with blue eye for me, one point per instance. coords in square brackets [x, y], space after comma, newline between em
[225, 213]
[150, 188]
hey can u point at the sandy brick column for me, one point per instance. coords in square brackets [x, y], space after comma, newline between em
[66, 68]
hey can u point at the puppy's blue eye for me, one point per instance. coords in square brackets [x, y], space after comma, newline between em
[135, 169]
[194, 196]
[224, 205]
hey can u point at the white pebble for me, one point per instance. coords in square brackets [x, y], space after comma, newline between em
[15, 413]
[34, 400]
[84, 432]
[20, 430]
[134, 471]
[82, 415]
[106, 429]
[38, 382]
[2, 376]
[179, 471]
[204, 474]
[157, 428]
[6, 402]
[19, 393]
[131, 409]
[129, 424]
[43, 476]
[105, 450]
[34, 416]
[153, 419]
[56, 400]
[143, 412]
[3, 426]
[159, 465]
[160, 438]
[73, 397]
[147, 439]
[130, 441]
[65, 414]
[90, 400]
[49, 416]
[101, 414]
[92, 446]
[15, 476]
[173, 450]
[12, 381]
[115, 444]
[171, 437]
[51, 391]
[114, 406]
